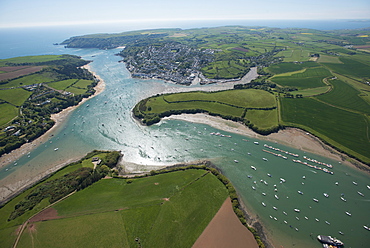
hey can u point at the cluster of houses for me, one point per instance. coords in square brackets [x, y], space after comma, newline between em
[170, 61]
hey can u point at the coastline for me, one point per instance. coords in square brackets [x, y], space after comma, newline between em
[58, 118]
[292, 137]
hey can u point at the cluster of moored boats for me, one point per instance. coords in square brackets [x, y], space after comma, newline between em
[220, 134]
[313, 166]
[275, 154]
[317, 162]
[278, 149]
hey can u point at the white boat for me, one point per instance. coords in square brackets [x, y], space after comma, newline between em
[269, 175]
[304, 177]
[306, 217]
[282, 180]
[348, 213]
[315, 200]
[275, 208]
[327, 222]
[360, 193]
[254, 168]
[256, 143]
[285, 213]
[263, 193]
[56, 149]
[297, 210]
[336, 183]
[253, 188]
[354, 183]
[300, 192]
[367, 228]
[236, 161]
[297, 217]
[276, 197]
[265, 159]
[263, 204]
[343, 199]
[368, 186]
[285, 222]
[317, 219]
[326, 195]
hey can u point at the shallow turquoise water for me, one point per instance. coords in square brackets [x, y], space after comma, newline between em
[105, 122]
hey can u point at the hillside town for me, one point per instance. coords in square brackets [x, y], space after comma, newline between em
[170, 61]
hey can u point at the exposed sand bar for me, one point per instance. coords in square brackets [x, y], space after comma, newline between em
[58, 118]
[292, 137]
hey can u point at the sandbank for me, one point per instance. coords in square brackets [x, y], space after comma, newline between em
[58, 118]
[292, 137]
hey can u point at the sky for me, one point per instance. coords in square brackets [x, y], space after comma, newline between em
[27, 13]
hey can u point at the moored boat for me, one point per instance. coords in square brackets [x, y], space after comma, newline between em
[329, 240]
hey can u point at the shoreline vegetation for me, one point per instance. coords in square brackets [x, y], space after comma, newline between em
[58, 118]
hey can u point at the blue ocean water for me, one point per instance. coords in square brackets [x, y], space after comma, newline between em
[39, 40]
[173, 141]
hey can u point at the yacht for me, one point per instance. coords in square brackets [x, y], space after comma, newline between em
[254, 168]
[315, 200]
[343, 199]
[348, 213]
[263, 204]
[326, 195]
[300, 192]
[360, 193]
[297, 210]
[236, 161]
[277, 198]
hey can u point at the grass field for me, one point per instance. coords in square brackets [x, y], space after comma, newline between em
[62, 85]
[15, 96]
[309, 78]
[290, 67]
[350, 67]
[30, 59]
[8, 112]
[166, 210]
[43, 77]
[263, 118]
[229, 104]
[312, 91]
[351, 135]
[345, 96]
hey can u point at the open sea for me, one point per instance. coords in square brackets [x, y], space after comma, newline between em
[270, 191]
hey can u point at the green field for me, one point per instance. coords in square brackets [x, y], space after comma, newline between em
[290, 67]
[15, 96]
[166, 210]
[344, 96]
[350, 136]
[309, 78]
[36, 78]
[231, 104]
[30, 59]
[62, 85]
[350, 67]
[312, 91]
[8, 112]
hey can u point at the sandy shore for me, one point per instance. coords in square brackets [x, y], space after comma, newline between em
[58, 118]
[292, 137]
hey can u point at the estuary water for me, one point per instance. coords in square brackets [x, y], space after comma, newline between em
[267, 184]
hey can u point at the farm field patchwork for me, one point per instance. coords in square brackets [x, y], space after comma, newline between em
[166, 210]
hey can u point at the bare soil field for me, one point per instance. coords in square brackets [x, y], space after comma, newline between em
[47, 214]
[225, 230]
[17, 71]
